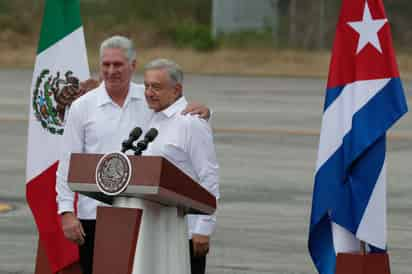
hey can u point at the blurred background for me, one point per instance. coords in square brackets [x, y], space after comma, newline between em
[261, 66]
[269, 37]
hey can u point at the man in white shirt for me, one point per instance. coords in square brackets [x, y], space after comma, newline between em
[186, 141]
[98, 122]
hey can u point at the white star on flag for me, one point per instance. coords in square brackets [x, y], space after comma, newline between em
[368, 29]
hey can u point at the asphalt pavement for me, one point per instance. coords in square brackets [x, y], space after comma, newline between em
[266, 135]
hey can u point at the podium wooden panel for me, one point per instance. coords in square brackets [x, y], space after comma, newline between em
[373, 263]
[153, 178]
[117, 231]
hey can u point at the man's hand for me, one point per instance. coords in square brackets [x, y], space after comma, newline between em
[200, 245]
[72, 228]
[88, 85]
[196, 108]
[71, 91]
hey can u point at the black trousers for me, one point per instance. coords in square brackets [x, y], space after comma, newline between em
[197, 264]
[86, 250]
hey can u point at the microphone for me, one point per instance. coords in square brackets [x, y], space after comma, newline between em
[149, 137]
[133, 136]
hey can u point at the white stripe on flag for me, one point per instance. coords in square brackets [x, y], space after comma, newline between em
[343, 240]
[337, 119]
[67, 54]
[372, 228]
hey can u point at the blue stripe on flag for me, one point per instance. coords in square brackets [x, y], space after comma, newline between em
[374, 119]
[344, 183]
[331, 95]
[321, 246]
[357, 187]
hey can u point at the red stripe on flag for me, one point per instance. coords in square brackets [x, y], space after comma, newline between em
[41, 197]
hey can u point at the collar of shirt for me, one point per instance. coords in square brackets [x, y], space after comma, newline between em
[174, 108]
[135, 93]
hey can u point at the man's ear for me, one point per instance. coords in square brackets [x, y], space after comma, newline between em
[133, 64]
[178, 90]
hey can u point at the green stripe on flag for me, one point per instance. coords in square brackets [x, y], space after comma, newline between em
[61, 17]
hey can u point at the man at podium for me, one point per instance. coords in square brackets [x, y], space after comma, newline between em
[98, 122]
[187, 142]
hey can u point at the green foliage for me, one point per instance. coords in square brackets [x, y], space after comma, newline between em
[203, 40]
[186, 23]
[196, 36]
[21, 23]
[398, 13]
[160, 12]
[160, 21]
[4, 6]
[14, 17]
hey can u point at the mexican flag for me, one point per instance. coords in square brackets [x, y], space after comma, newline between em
[61, 63]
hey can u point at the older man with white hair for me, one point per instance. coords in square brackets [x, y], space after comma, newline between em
[98, 122]
[186, 141]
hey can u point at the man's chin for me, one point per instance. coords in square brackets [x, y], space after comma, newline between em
[153, 107]
[113, 85]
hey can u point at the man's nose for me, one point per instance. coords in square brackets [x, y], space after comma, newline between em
[149, 91]
[111, 69]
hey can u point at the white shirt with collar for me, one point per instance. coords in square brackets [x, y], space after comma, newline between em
[96, 124]
[187, 142]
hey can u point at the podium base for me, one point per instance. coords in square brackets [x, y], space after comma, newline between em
[376, 263]
[162, 245]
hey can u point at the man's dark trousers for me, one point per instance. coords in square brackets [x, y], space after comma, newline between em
[86, 249]
[197, 264]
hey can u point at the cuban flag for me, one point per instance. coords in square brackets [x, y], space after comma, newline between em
[364, 98]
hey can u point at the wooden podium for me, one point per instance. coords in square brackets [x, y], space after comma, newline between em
[372, 263]
[124, 232]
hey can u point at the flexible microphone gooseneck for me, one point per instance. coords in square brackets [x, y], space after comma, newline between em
[133, 136]
[149, 137]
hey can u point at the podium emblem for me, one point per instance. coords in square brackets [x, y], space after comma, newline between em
[113, 173]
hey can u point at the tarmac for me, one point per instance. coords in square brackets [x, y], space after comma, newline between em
[266, 136]
[4, 207]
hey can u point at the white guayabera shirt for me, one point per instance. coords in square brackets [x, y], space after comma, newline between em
[97, 125]
[187, 142]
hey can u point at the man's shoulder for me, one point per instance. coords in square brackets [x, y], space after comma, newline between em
[88, 98]
[193, 121]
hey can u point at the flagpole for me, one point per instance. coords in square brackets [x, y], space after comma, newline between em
[362, 248]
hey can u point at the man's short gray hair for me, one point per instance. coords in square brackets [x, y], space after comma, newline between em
[174, 71]
[119, 42]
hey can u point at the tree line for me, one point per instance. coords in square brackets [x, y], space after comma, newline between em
[302, 24]
[311, 24]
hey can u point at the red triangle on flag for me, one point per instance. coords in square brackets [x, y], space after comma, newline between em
[347, 65]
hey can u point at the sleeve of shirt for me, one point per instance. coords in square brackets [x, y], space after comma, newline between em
[203, 158]
[72, 141]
